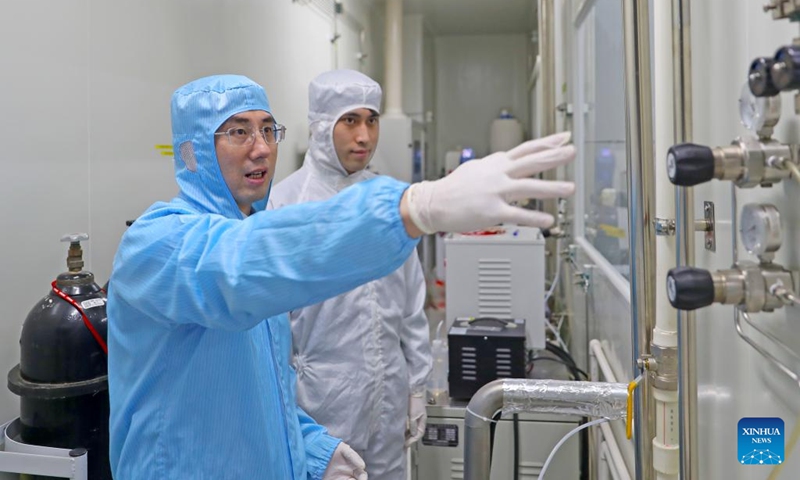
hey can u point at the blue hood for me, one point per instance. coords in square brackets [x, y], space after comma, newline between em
[198, 110]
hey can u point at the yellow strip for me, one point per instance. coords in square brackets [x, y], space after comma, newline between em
[612, 231]
[629, 421]
[164, 147]
[776, 470]
[168, 154]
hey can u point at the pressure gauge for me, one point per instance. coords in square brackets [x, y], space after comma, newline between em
[759, 114]
[760, 227]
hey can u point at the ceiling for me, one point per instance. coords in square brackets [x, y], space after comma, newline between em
[475, 17]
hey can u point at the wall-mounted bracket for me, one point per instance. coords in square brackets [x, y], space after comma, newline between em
[707, 226]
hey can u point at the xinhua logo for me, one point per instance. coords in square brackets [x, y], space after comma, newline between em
[760, 441]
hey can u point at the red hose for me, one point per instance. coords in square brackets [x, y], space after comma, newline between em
[86, 321]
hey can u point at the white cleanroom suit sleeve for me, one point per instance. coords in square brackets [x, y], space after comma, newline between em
[414, 335]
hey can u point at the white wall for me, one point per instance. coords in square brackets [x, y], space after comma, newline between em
[413, 66]
[86, 96]
[734, 381]
[476, 76]
[419, 83]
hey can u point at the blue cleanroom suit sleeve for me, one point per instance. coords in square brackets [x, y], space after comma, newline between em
[319, 445]
[232, 274]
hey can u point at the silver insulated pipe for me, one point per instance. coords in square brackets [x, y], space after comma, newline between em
[587, 399]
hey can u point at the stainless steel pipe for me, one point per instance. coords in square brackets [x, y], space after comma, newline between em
[641, 203]
[684, 208]
[591, 399]
[547, 52]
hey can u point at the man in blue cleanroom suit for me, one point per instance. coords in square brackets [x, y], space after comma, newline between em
[362, 358]
[199, 342]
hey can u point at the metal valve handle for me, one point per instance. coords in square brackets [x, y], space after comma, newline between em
[690, 288]
[689, 164]
[75, 237]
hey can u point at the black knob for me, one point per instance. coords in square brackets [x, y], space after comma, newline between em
[785, 71]
[760, 78]
[689, 164]
[690, 288]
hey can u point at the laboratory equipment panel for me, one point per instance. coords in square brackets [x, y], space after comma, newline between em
[440, 454]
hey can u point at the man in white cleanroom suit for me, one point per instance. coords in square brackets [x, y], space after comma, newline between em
[362, 358]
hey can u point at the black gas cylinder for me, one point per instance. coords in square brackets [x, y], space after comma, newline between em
[62, 376]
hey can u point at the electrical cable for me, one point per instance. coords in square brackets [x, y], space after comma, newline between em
[492, 430]
[561, 357]
[556, 334]
[556, 276]
[576, 375]
[566, 357]
[563, 440]
[560, 353]
[485, 419]
[516, 447]
[584, 449]
[86, 321]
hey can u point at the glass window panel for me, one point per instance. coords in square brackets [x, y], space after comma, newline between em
[603, 149]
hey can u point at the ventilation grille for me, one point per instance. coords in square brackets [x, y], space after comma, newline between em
[503, 362]
[456, 468]
[494, 288]
[469, 363]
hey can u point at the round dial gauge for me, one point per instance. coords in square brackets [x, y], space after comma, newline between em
[760, 227]
[672, 289]
[759, 114]
[672, 165]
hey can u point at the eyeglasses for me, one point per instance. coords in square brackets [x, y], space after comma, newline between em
[244, 137]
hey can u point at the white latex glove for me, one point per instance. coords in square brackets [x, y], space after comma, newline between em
[417, 416]
[477, 194]
[345, 464]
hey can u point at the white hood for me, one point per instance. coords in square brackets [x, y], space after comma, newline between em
[330, 95]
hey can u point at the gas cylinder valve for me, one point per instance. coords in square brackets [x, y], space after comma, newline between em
[75, 253]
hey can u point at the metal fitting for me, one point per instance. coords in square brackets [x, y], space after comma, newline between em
[745, 162]
[582, 279]
[665, 227]
[665, 371]
[750, 285]
[646, 362]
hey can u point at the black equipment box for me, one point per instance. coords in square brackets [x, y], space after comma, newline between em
[482, 350]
